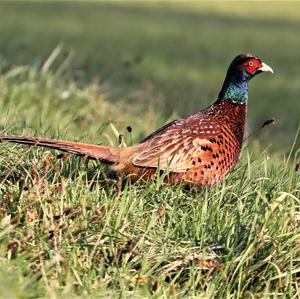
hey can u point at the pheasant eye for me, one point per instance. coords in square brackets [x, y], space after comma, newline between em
[250, 63]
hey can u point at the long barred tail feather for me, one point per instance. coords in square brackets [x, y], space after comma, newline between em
[105, 154]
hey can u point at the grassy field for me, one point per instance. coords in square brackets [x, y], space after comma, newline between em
[85, 71]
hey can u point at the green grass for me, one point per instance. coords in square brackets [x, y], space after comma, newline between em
[169, 55]
[63, 233]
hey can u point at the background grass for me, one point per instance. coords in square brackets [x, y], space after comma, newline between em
[85, 71]
[173, 57]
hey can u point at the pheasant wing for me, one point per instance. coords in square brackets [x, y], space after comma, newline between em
[178, 149]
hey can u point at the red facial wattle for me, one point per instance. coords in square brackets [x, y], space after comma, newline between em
[251, 66]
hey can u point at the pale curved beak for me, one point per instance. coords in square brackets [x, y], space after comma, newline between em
[265, 68]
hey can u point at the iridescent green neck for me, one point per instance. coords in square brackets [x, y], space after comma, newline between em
[235, 89]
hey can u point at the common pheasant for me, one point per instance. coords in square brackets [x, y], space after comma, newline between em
[199, 149]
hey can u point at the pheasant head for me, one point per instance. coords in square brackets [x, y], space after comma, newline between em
[243, 68]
